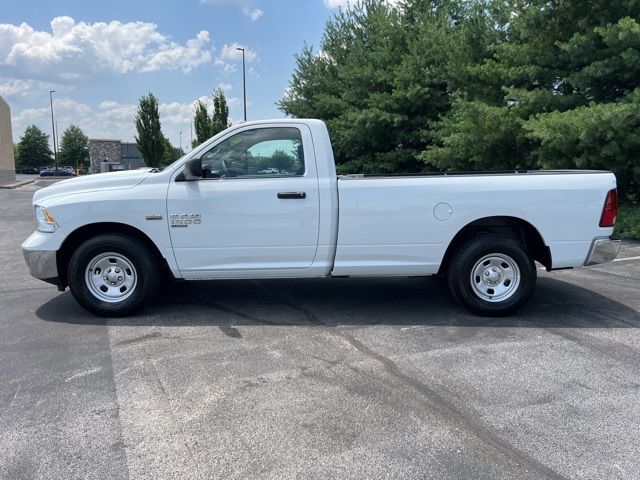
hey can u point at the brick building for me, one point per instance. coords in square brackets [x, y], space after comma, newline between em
[7, 162]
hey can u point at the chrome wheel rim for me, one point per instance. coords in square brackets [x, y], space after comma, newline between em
[111, 277]
[495, 277]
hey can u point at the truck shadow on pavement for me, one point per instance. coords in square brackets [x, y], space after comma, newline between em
[348, 302]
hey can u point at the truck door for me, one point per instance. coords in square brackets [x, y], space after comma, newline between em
[256, 209]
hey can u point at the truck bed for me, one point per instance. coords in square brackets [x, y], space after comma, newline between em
[406, 222]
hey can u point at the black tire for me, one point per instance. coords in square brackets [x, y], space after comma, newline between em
[145, 274]
[466, 274]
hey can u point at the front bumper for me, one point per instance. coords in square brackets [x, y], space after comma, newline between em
[40, 252]
[603, 249]
[42, 263]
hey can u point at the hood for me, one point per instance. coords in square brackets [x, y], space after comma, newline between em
[92, 183]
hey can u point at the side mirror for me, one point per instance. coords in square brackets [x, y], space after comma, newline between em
[193, 170]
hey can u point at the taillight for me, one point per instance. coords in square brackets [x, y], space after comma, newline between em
[610, 209]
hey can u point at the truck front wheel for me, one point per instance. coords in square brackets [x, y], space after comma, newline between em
[113, 275]
[492, 275]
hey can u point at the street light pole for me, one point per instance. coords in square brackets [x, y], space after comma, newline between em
[53, 127]
[244, 83]
[180, 140]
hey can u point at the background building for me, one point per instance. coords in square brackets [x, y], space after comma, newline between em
[131, 156]
[108, 155]
[7, 162]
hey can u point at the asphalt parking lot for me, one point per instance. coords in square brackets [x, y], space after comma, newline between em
[342, 378]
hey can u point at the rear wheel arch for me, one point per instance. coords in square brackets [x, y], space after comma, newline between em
[82, 234]
[514, 227]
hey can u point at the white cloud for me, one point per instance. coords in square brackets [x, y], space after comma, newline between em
[195, 53]
[78, 51]
[227, 68]
[230, 56]
[337, 3]
[347, 3]
[254, 13]
[231, 53]
[247, 7]
[11, 88]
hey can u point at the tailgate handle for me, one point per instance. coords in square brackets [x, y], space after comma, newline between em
[291, 195]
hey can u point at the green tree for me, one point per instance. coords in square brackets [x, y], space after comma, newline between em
[220, 117]
[74, 147]
[201, 124]
[171, 153]
[554, 87]
[206, 126]
[33, 149]
[150, 140]
[378, 79]
[474, 85]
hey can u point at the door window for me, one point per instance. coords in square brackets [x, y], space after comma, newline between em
[261, 152]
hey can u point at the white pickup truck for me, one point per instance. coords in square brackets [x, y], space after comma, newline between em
[262, 200]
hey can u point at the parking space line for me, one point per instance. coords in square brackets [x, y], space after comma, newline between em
[627, 258]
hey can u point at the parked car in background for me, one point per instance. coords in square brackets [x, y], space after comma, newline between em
[59, 172]
[28, 171]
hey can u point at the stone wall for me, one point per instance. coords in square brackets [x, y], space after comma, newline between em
[7, 162]
[104, 151]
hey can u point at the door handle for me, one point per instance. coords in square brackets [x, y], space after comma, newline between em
[291, 195]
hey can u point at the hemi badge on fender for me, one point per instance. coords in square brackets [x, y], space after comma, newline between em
[153, 217]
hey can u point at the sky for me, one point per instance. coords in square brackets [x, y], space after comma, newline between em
[101, 56]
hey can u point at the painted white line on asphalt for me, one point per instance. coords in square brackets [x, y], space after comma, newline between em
[627, 258]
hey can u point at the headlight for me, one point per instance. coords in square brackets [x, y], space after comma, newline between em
[44, 220]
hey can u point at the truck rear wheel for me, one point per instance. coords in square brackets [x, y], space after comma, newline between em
[492, 275]
[113, 275]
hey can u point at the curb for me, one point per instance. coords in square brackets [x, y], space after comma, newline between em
[11, 186]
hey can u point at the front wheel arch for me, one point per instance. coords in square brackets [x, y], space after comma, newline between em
[81, 234]
[113, 275]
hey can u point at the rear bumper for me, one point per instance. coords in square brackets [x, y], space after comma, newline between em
[603, 249]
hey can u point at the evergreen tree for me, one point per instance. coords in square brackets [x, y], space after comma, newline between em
[220, 117]
[171, 153]
[150, 140]
[74, 147]
[33, 149]
[378, 79]
[206, 126]
[477, 85]
[201, 124]
[555, 87]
